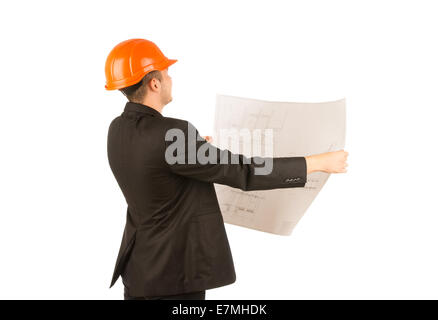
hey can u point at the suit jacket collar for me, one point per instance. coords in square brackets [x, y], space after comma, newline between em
[138, 107]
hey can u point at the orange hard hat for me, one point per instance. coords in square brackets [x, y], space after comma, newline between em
[130, 60]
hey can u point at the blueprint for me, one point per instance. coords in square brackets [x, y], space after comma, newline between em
[299, 129]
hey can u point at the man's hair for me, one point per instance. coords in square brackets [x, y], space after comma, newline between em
[138, 91]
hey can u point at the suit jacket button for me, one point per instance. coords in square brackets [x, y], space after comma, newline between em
[289, 180]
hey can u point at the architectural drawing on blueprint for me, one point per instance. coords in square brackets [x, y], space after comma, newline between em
[299, 129]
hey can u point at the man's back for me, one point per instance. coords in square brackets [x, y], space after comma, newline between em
[173, 241]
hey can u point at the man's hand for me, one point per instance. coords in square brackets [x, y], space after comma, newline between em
[330, 162]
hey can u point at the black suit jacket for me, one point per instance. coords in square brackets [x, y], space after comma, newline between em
[174, 239]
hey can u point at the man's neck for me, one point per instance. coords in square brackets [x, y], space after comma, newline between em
[153, 105]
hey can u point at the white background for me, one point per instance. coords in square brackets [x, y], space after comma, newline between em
[370, 234]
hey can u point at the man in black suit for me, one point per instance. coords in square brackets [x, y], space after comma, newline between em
[175, 245]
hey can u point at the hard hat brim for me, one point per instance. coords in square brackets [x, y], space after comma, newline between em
[162, 65]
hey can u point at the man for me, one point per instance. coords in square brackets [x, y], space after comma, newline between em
[175, 244]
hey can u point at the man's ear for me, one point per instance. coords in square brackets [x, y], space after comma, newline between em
[155, 83]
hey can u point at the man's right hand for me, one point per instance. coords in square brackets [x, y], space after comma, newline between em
[330, 162]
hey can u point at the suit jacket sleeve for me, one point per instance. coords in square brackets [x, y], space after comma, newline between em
[287, 172]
